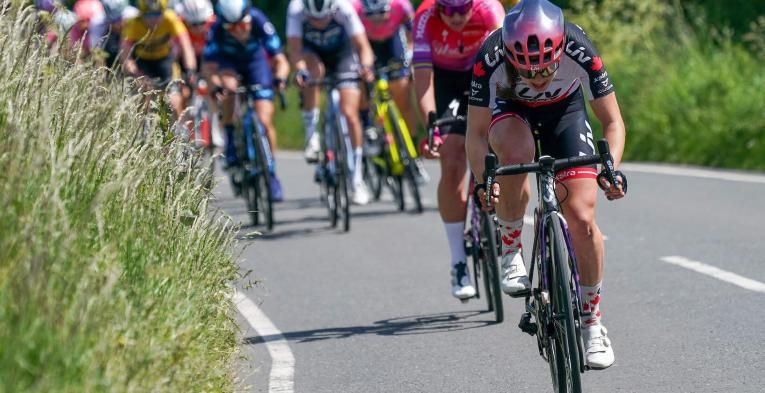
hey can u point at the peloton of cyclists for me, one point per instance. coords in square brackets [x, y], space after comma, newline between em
[447, 36]
[529, 83]
[326, 37]
[243, 47]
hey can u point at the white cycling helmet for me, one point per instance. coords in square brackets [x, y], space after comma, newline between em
[114, 9]
[194, 11]
[375, 6]
[319, 8]
[232, 11]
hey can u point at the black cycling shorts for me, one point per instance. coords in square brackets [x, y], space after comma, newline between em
[451, 89]
[340, 66]
[392, 52]
[160, 70]
[561, 128]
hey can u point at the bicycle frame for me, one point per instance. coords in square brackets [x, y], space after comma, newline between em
[252, 129]
[383, 104]
[331, 116]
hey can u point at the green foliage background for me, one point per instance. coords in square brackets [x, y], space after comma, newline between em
[687, 73]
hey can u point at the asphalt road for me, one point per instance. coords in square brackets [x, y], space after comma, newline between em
[371, 310]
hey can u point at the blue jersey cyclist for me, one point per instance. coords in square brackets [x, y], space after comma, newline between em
[243, 48]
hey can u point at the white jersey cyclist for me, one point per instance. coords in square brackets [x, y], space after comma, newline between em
[331, 41]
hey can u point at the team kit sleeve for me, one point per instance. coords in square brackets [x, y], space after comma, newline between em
[480, 88]
[295, 19]
[591, 72]
[422, 56]
[265, 29]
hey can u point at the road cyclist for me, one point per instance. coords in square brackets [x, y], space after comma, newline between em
[447, 36]
[529, 85]
[244, 49]
[326, 37]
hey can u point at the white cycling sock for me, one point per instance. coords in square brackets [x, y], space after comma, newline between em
[310, 121]
[455, 234]
[358, 172]
[591, 304]
[511, 235]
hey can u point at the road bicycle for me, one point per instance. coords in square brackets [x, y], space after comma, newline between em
[336, 155]
[392, 160]
[482, 239]
[254, 174]
[554, 303]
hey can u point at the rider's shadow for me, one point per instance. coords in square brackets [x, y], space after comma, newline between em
[409, 325]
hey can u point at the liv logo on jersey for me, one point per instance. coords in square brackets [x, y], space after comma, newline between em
[577, 53]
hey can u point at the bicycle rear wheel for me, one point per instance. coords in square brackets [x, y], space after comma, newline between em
[490, 266]
[410, 168]
[566, 366]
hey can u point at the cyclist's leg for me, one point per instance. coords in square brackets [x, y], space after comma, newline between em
[311, 99]
[572, 137]
[452, 200]
[511, 139]
[229, 81]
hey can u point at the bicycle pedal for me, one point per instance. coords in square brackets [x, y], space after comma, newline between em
[526, 325]
[519, 294]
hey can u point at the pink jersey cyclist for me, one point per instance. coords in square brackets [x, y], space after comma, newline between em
[381, 29]
[436, 44]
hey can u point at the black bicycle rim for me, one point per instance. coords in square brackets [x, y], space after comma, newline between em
[491, 271]
[264, 197]
[414, 188]
[566, 342]
[341, 189]
[250, 191]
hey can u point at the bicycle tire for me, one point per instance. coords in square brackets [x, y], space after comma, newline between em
[565, 342]
[410, 169]
[342, 204]
[373, 178]
[250, 193]
[490, 258]
[265, 200]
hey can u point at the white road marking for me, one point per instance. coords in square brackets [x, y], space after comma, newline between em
[282, 360]
[693, 172]
[717, 273]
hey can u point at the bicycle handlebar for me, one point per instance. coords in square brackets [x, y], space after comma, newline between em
[435, 123]
[548, 163]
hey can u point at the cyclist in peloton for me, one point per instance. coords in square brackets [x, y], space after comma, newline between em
[447, 36]
[532, 75]
[147, 47]
[388, 24]
[117, 12]
[326, 36]
[243, 45]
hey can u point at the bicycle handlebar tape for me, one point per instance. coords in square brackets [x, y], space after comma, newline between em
[490, 170]
[607, 160]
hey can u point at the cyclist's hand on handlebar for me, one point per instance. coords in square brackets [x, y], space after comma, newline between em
[280, 84]
[479, 193]
[431, 152]
[367, 73]
[301, 77]
[613, 192]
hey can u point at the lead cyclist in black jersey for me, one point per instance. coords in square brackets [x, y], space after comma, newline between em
[529, 81]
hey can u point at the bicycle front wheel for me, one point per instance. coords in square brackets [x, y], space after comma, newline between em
[342, 174]
[566, 366]
[490, 262]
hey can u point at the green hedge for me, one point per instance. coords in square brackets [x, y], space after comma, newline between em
[113, 274]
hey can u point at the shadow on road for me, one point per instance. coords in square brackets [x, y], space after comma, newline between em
[417, 324]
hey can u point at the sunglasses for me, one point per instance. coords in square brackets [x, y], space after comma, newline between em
[241, 25]
[152, 14]
[379, 12]
[197, 24]
[460, 9]
[544, 72]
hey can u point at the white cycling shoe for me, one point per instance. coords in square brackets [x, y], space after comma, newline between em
[312, 148]
[361, 194]
[515, 280]
[461, 287]
[597, 346]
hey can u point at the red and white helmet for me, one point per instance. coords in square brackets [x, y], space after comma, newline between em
[534, 34]
[194, 11]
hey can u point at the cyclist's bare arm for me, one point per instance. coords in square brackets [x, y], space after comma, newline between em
[295, 53]
[477, 142]
[187, 52]
[366, 56]
[423, 87]
[281, 66]
[128, 63]
[607, 111]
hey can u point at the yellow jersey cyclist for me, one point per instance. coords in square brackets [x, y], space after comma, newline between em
[326, 37]
[533, 75]
[243, 48]
[147, 43]
[447, 35]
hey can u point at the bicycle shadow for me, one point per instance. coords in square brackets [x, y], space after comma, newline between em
[400, 326]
